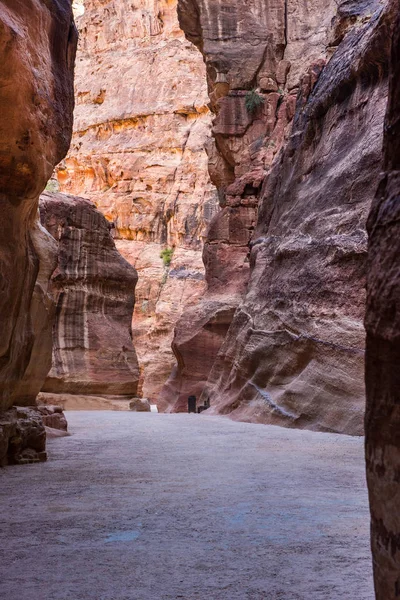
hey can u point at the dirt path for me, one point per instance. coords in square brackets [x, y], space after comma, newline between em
[160, 507]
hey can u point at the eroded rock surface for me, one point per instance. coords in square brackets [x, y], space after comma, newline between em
[382, 422]
[141, 124]
[295, 193]
[54, 420]
[37, 47]
[22, 436]
[94, 288]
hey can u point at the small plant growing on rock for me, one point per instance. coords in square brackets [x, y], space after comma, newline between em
[52, 186]
[253, 101]
[166, 256]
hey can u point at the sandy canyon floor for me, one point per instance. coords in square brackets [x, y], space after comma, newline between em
[160, 507]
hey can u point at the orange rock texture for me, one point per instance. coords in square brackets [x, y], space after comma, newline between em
[138, 152]
[37, 47]
[299, 98]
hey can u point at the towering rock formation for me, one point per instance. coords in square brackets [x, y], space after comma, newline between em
[382, 422]
[38, 43]
[293, 353]
[94, 289]
[141, 124]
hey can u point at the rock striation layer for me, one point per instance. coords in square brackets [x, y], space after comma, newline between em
[94, 289]
[296, 175]
[141, 124]
[382, 421]
[37, 46]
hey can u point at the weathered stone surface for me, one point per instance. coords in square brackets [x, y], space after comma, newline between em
[162, 294]
[37, 45]
[141, 124]
[94, 289]
[244, 146]
[37, 49]
[53, 417]
[140, 405]
[382, 422]
[245, 44]
[84, 402]
[22, 436]
[293, 354]
[198, 337]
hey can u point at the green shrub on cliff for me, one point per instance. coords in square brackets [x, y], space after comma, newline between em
[52, 186]
[166, 256]
[253, 100]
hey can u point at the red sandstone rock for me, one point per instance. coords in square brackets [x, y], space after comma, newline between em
[140, 405]
[94, 289]
[162, 294]
[37, 54]
[37, 47]
[245, 144]
[382, 421]
[22, 436]
[53, 417]
[141, 124]
[293, 354]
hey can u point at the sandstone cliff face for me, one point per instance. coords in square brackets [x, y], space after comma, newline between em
[141, 124]
[293, 354]
[94, 289]
[37, 45]
[382, 422]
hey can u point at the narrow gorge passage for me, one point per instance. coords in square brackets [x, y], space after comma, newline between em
[159, 507]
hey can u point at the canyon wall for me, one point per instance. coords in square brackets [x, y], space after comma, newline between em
[37, 46]
[94, 291]
[382, 421]
[141, 125]
[299, 98]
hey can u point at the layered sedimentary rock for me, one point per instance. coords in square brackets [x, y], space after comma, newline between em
[141, 124]
[37, 46]
[382, 422]
[94, 289]
[293, 353]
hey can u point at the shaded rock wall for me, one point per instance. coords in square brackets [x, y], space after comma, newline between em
[37, 46]
[293, 354]
[382, 421]
[141, 124]
[94, 289]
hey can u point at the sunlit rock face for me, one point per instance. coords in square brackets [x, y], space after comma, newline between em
[296, 175]
[382, 422]
[37, 47]
[78, 7]
[94, 289]
[141, 126]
